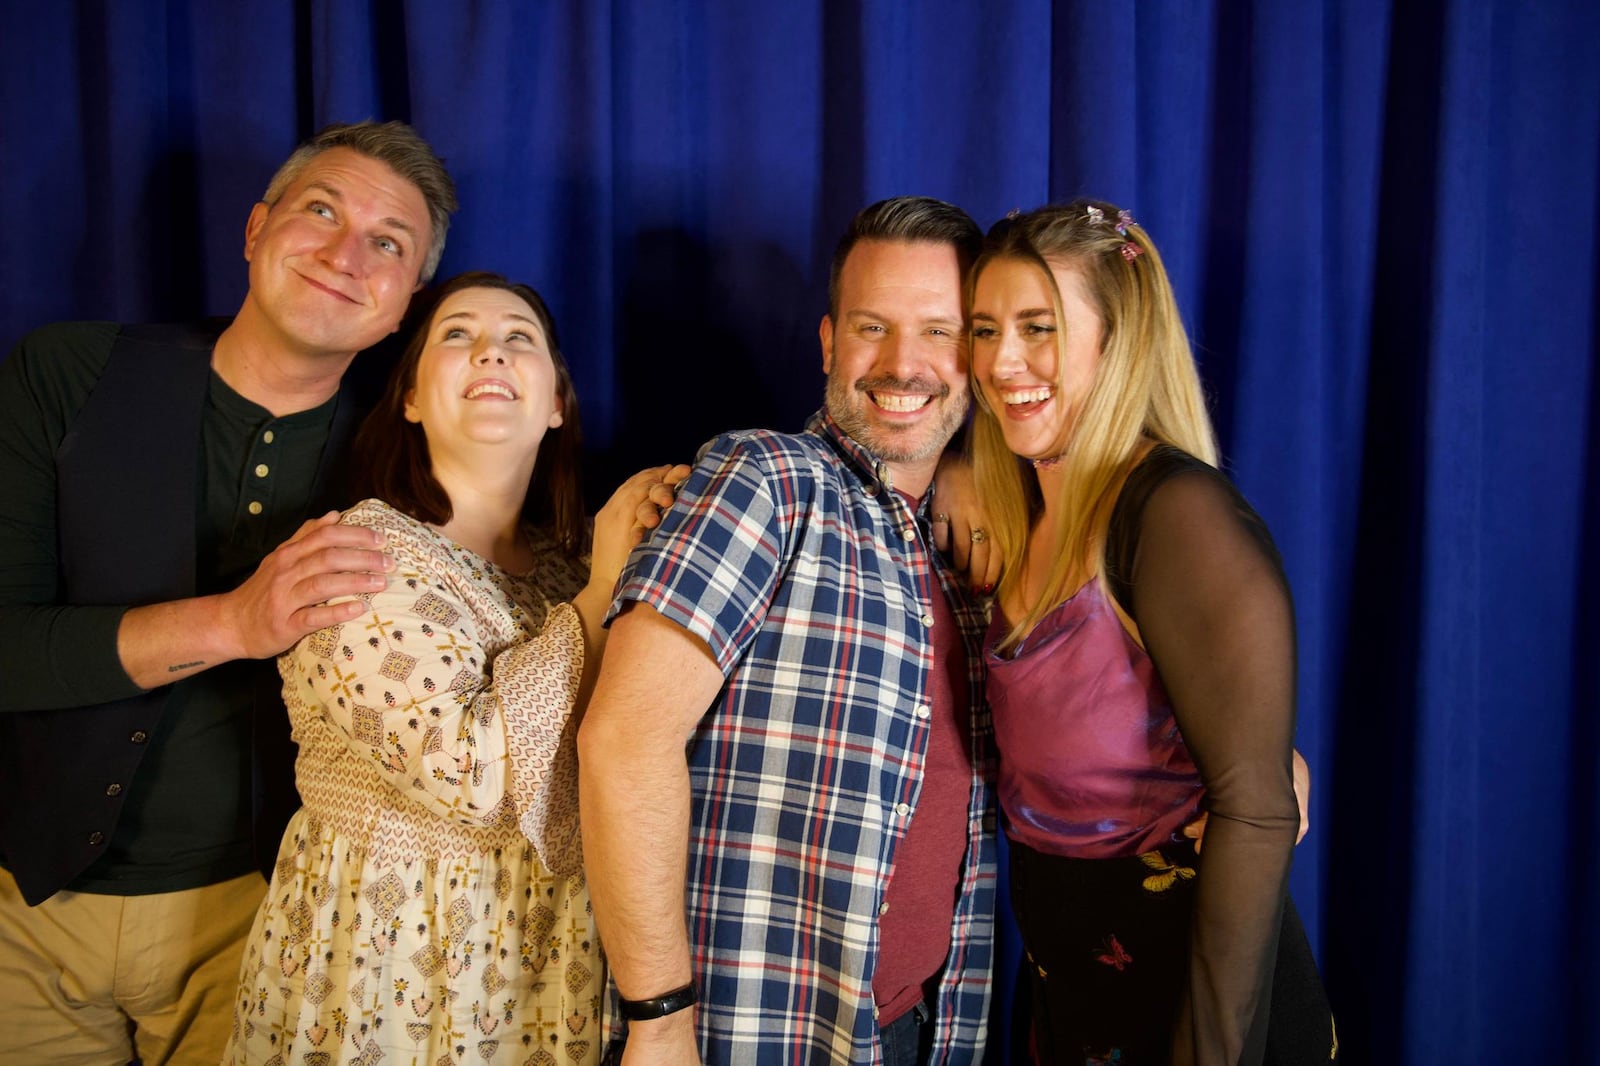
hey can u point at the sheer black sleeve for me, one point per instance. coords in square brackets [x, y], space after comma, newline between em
[1197, 571]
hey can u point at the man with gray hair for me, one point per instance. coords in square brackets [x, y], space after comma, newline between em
[155, 553]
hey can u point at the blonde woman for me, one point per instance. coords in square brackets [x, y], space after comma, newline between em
[1141, 666]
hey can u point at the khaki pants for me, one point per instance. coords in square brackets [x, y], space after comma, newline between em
[99, 980]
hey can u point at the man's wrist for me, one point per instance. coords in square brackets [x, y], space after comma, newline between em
[645, 1010]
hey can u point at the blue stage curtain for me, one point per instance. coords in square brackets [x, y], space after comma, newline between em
[1380, 218]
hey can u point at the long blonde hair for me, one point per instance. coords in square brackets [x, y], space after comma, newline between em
[1145, 386]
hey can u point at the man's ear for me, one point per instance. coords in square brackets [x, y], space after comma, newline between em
[825, 335]
[252, 229]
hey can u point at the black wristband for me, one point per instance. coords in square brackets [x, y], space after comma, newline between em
[644, 1010]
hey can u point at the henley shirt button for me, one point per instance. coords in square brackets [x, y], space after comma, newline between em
[870, 490]
[261, 470]
[266, 438]
[139, 736]
[924, 711]
[97, 837]
[113, 789]
[908, 533]
[255, 507]
[902, 809]
[927, 620]
[883, 908]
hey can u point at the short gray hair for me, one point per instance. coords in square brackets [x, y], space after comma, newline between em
[397, 146]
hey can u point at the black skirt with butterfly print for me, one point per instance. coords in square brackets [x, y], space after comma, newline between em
[1107, 944]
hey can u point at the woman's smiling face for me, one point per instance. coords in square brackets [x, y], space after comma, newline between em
[485, 374]
[1034, 366]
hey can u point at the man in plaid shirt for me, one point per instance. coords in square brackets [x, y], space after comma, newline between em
[829, 827]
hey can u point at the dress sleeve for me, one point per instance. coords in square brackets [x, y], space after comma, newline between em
[1212, 605]
[467, 733]
[51, 654]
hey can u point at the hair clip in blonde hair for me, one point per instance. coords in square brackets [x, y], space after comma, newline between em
[1096, 217]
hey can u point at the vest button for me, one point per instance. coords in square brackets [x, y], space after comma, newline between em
[97, 837]
[113, 789]
[139, 736]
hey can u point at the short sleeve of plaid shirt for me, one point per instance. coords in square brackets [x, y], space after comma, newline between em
[712, 564]
[810, 583]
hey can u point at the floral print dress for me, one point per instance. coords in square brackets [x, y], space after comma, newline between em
[428, 904]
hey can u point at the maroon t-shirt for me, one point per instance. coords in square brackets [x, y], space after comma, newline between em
[914, 930]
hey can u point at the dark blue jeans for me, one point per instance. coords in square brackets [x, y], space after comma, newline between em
[908, 1040]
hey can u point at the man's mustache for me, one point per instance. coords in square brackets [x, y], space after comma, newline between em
[927, 386]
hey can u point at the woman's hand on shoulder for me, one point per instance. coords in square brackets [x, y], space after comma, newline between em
[658, 498]
[635, 507]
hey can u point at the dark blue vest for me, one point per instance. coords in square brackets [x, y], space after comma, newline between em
[125, 480]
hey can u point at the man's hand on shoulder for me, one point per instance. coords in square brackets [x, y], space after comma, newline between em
[285, 599]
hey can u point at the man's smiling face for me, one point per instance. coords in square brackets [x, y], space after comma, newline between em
[334, 262]
[896, 356]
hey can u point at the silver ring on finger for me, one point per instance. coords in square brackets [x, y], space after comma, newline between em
[978, 535]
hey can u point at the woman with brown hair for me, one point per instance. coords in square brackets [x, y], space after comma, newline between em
[429, 895]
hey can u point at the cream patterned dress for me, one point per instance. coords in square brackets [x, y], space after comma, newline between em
[428, 905]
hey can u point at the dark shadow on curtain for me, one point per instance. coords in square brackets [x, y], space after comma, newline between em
[175, 251]
[774, 310]
[89, 273]
[391, 56]
[1070, 91]
[685, 362]
[177, 247]
[1227, 215]
[1371, 837]
[154, 262]
[844, 149]
[1583, 948]
[305, 95]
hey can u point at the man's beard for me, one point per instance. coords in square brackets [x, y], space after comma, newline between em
[850, 406]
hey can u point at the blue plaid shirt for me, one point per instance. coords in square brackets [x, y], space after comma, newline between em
[811, 582]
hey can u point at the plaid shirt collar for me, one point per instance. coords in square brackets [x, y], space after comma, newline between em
[867, 466]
